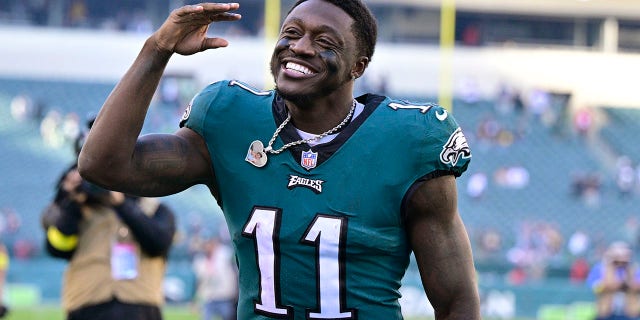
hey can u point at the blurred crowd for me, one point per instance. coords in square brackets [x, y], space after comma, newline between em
[533, 250]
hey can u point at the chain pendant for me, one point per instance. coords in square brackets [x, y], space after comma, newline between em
[256, 155]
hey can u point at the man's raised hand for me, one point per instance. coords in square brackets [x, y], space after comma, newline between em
[185, 30]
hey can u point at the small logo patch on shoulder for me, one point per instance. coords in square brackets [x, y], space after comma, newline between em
[313, 185]
[186, 114]
[455, 148]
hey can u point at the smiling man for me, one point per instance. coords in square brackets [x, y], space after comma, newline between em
[326, 195]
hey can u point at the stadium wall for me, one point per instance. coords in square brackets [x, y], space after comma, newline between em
[594, 78]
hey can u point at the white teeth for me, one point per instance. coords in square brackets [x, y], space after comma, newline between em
[297, 67]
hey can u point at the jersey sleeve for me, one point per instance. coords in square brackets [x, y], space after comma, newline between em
[196, 112]
[446, 150]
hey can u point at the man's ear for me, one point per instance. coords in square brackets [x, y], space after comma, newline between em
[359, 67]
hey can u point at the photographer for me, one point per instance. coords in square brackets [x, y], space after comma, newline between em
[616, 283]
[116, 246]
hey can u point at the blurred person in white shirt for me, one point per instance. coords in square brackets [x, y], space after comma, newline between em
[217, 281]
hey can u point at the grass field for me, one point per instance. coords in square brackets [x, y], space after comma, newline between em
[54, 313]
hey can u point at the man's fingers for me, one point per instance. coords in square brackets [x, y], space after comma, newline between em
[206, 8]
[225, 16]
[213, 43]
[207, 13]
[219, 7]
[188, 10]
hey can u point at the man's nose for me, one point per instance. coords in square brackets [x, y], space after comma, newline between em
[302, 46]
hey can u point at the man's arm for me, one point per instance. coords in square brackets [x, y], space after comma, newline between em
[442, 249]
[61, 235]
[61, 218]
[158, 164]
[154, 233]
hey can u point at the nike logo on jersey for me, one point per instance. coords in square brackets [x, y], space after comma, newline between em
[314, 185]
[442, 116]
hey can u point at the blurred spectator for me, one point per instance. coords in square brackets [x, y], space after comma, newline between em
[50, 129]
[625, 176]
[583, 121]
[477, 185]
[537, 243]
[579, 270]
[587, 187]
[24, 108]
[505, 98]
[515, 177]
[517, 275]
[217, 281]
[116, 246]
[10, 222]
[615, 280]
[488, 129]
[70, 127]
[579, 243]
[78, 14]
[23, 249]
[631, 231]
[490, 244]
[538, 102]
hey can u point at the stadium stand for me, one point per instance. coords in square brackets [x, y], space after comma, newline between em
[622, 123]
[30, 169]
[551, 153]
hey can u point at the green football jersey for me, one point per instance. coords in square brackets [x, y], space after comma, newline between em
[318, 230]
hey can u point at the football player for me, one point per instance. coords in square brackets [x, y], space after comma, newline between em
[345, 188]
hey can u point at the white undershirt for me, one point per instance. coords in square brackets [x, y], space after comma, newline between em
[305, 135]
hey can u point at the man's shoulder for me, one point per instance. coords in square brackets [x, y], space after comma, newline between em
[426, 128]
[234, 89]
[223, 98]
[411, 114]
[411, 108]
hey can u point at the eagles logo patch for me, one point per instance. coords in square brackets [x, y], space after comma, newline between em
[455, 148]
[186, 114]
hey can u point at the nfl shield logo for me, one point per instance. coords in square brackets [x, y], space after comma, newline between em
[309, 159]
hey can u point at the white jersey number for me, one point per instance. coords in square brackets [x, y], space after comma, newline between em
[327, 234]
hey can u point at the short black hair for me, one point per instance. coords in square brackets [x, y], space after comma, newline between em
[365, 26]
